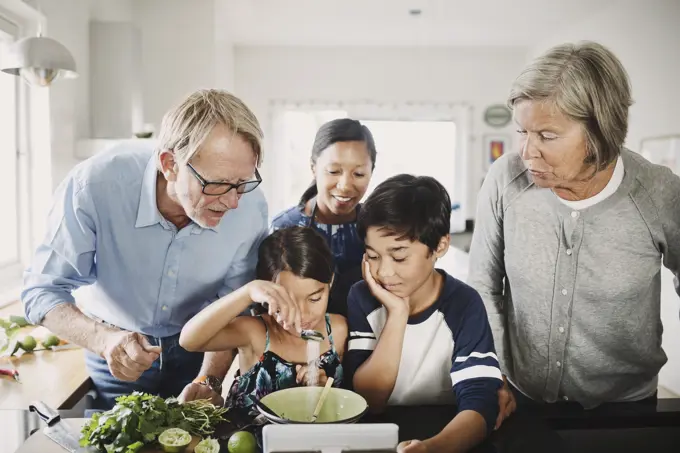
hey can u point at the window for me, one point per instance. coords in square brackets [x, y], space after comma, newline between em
[10, 240]
[421, 148]
[425, 140]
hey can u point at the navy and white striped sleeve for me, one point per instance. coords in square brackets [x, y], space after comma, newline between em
[475, 374]
[362, 339]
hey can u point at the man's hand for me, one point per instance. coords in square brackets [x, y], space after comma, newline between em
[506, 403]
[129, 354]
[412, 446]
[195, 391]
[303, 376]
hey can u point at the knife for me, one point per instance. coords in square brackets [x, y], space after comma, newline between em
[57, 429]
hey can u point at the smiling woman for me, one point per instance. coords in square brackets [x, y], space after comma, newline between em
[342, 163]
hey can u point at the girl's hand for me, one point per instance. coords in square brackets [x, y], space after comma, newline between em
[282, 306]
[303, 376]
[391, 302]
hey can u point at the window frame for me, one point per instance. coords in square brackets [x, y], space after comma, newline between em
[11, 272]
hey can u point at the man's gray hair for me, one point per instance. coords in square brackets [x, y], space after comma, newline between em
[588, 84]
[187, 125]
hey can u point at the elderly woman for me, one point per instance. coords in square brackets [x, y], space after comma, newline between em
[571, 234]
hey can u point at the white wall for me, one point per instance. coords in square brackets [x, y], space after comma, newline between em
[224, 49]
[116, 108]
[646, 37]
[178, 56]
[178, 51]
[478, 76]
[112, 11]
[68, 23]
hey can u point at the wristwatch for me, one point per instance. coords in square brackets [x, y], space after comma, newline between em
[214, 383]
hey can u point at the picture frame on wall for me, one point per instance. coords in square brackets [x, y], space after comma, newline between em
[494, 146]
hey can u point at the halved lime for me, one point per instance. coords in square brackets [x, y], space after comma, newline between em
[174, 440]
[207, 445]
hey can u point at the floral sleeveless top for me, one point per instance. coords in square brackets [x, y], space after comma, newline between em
[272, 373]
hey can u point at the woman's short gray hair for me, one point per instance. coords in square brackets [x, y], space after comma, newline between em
[588, 84]
[187, 125]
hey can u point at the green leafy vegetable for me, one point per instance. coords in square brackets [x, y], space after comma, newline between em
[138, 419]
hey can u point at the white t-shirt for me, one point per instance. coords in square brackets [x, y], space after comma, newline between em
[608, 190]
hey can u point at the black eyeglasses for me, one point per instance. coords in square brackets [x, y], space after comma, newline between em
[220, 188]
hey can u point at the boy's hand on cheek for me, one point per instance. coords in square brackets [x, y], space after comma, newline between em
[392, 302]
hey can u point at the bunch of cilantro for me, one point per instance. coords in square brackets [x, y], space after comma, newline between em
[138, 419]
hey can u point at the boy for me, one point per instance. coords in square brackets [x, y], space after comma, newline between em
[417, 335]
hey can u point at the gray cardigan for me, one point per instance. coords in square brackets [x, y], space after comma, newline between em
[573, 297]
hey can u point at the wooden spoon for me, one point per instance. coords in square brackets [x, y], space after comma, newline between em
[322, 398]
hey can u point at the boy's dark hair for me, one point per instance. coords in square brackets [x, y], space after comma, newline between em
[411, 207]
[335, 131]
[300, 250]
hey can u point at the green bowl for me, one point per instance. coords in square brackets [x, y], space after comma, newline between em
[296, 405]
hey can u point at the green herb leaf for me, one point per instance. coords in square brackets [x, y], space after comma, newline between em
[139, 418]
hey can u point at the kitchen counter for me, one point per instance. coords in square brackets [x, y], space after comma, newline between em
[561, 428]
[59, 378]
[629, 427]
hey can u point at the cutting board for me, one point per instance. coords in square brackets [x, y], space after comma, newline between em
[39, 442]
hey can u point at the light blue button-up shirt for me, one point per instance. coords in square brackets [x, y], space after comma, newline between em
[131, 267]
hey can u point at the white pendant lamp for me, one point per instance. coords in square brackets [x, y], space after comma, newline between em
[38, 60]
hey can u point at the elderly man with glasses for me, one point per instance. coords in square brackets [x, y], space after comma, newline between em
[149, 238]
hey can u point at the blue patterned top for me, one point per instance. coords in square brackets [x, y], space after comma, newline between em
[343, 239]
[272, 372]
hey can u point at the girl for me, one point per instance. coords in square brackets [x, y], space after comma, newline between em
[342, 162]
[294, 275]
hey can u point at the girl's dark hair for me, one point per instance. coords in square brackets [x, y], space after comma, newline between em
[300, 250]
[337, 131]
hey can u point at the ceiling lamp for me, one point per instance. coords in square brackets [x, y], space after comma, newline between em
[38, 60]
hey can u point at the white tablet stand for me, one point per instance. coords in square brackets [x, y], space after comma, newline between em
[330, 438]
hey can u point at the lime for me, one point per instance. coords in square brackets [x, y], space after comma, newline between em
[18, 320]
[174, 440]
[242, 442]
[28, 343]
[50, 340]
[207, 445]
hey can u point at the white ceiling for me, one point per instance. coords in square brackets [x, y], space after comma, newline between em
[388, 22]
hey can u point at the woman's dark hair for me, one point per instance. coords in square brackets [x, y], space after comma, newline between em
[417, 208]
[337, 131]
[300, 250]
